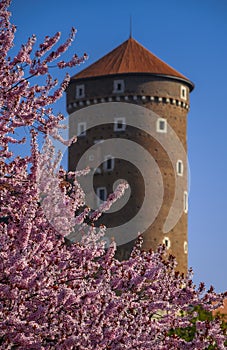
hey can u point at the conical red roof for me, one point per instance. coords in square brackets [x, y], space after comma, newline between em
[129, 57]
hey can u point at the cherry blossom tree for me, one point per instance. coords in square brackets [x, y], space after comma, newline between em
[57, 294]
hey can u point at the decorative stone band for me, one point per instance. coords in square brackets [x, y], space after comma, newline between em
[128, 98]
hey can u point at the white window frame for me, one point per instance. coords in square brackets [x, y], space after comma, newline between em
[80, 91]
[180, 167]
[81, 129]
[185, 247]
[116, 86]
[166, 239]
[98, 171]
[108, 157]
[98, 190]
[161, 130]
[183, 92]
[185, 202]
[117, 121]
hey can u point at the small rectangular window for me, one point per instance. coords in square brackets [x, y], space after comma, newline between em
[185, 201]
[185, 247]
[119, 124]
[109, 163]
[81, 129]
[80, 91]
[180, 167]
[118, 86]
[183, 93]
[166, 242]
[161, 125]
[101, 194]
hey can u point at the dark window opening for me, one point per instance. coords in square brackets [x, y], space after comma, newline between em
[119, 86]
[179, 167]
[161, 125]
[109, 164]
[102, 194]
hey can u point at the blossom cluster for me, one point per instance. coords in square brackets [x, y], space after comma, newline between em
[22, 103]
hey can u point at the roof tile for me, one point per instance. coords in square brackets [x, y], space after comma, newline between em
[129, 57]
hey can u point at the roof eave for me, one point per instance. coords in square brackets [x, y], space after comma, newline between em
[186, 81]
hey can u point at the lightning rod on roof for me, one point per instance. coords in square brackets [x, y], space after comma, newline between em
[130, 32]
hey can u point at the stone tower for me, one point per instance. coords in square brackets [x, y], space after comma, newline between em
[131, 76]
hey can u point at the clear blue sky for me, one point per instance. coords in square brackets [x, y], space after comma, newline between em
[190, 36]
